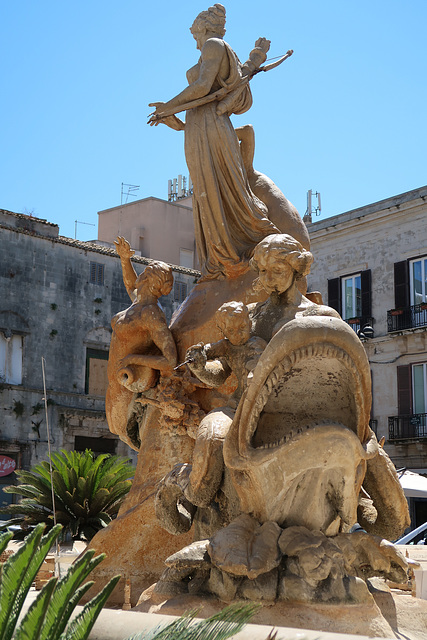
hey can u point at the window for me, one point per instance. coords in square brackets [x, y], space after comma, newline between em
[350, 295]
[96, 445]
[96, 274]
[411, 421]
[11, 359]
[179, 291]
[410, 295]
[419, 388]
[96, 372]
[418, 280]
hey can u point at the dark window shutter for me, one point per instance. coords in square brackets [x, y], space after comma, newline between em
[401, 284]
[365, 281]
[404, 390]
[334, 294]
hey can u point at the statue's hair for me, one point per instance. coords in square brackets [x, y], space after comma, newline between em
[228, 309]
[286, 249]
[159, 278]
[211, 20]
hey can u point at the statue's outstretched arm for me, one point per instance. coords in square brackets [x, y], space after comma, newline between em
[211, 59]
[125, 252]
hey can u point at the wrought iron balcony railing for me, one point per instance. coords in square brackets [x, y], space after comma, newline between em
[358, 323]
[407, 427]
[407, 318]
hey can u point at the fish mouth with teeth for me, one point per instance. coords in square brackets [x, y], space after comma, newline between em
[298, 445]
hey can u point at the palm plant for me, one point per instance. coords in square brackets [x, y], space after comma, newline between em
[48, 616]
[88, 493]
[220, 626]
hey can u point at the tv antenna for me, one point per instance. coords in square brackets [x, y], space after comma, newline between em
[131, 188]
[310, 205]
[76, 222]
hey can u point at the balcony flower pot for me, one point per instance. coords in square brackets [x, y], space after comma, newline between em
[396, 312]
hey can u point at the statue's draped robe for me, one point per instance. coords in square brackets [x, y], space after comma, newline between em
[229, 220]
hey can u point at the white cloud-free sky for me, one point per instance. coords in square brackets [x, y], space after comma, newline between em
[345, 115]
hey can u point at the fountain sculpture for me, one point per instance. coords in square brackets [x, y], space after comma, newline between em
[256, 456]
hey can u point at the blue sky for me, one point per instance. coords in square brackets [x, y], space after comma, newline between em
[346, 115]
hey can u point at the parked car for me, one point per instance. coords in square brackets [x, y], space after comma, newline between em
[417, 536]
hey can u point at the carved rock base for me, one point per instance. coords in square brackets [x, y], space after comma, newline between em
[388, 615]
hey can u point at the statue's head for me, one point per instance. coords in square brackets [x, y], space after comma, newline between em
[157, 278]
[232, 319]
[212, 21]
[280, 260]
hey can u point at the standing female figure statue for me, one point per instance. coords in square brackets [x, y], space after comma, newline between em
[229, 219]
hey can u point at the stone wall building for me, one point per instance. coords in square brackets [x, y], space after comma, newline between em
[57, 298]
[371, 265]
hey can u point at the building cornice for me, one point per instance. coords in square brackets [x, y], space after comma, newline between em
[94, 248]
[396, 205]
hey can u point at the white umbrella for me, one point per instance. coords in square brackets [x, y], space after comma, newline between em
[413, 485]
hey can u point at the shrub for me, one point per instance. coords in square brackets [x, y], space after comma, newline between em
[88, 493]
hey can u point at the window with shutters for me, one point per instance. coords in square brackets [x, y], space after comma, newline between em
[410, 295]
[350, 295]
[418, 280]
[96, 372]
[179, 291]
[96, 273]
[411, 421]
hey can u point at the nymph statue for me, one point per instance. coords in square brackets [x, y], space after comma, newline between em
[141, 344]
[228, 219]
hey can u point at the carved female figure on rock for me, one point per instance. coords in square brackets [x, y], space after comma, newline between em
[229, 220]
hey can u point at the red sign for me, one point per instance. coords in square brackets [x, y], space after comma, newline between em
[7, 465]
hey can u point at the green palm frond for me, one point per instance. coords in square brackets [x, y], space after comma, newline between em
[4, 541]
[81, 626]
[48, 616]
[88, 492]
[18, 573]
[220, 626]
[33, 622]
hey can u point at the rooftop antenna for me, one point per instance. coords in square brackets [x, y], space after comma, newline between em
[76, 222]
[131, 188]
[310, 207]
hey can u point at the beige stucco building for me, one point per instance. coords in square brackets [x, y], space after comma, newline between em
[155, 228]
[371, 265]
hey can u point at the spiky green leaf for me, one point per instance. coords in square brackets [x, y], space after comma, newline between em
[33, 621]
[81, 626]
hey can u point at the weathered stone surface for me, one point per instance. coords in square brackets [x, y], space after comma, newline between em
[261, 589]
[223, 585]
[191, 557]
[246, 548]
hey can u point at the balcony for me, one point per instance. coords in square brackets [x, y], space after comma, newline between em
[358, 323]
[407, 318]
[407, 427]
